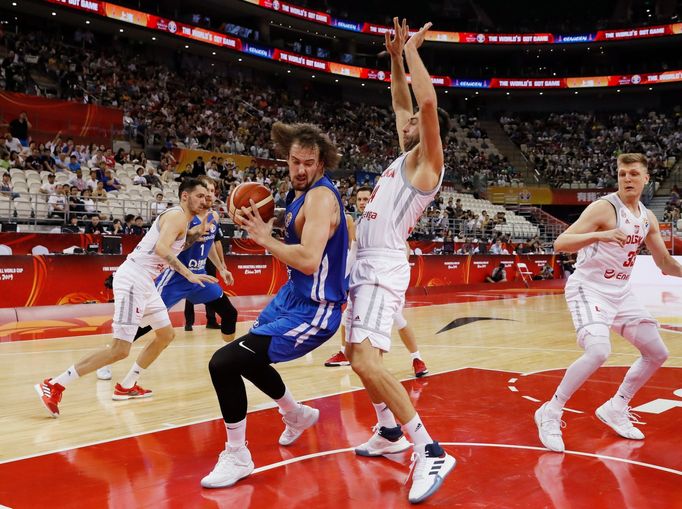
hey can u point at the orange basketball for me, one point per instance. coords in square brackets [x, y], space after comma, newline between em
[246, 191]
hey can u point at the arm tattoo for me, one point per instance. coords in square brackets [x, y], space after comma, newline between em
[191, 238]
[177, 265]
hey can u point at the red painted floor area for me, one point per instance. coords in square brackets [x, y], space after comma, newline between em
[485, 425]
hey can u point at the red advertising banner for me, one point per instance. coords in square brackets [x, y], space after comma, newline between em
[71, 118]
[23, 243]
[545, 195]
[71, 279]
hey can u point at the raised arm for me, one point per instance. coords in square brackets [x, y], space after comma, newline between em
[400, 91]
[656, 246]
[430, 149]
[593, 225]
[320, 209]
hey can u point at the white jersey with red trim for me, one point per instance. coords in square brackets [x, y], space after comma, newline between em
[393, 209]
[606, 264]
[144, 255]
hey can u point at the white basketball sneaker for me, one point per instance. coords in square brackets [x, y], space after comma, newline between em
[297, 422]
[619, 421]
[104, 373]
[384, 441]
[429, 469]
[549, 429]
[233, 464]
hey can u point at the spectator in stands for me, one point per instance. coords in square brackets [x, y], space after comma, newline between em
[16, 160]
[56, 203]
[46, 160]
[129, 220]
[116, 227]
[121, 157]
[12, 143]
[187, 172]
[76, 205]
[138, 226]
[95, 226]
[48, 188]
[88, 202]
[498, 249]
[60, 163]
[110, 182]
[72, 227]
[498, 275]
[19, 128]
[6, 187]
[77, 181]
[158, 206]
[547, 272]
[109, 160]
[139, 179]
[34, 161]
[92, 182]
[100, 194]
[152, 178]
[5, 163]
[168, 175]
[73, 164]
[199, 167]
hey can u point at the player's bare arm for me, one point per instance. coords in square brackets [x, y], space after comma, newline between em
[597, 223]
[427, 157]
[350, 225]
[219, 262]
[656, 246]
[172, 226]
[320, 213]
[400, 91]
[196, 232]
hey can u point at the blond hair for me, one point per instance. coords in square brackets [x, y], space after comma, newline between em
[633, 158]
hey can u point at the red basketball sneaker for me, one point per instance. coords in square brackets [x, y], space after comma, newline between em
[420, 368]
[338, 359]
[50, 394]
[133, 392]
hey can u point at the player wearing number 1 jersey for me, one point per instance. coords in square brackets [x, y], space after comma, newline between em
[607, 237]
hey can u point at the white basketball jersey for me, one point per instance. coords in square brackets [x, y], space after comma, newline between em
[144, 254]
[607, 264]
[393, 210]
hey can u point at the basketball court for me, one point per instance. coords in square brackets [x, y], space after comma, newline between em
[493, 357]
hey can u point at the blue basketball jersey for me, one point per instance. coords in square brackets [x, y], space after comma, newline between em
[194, 257]
[329, 282]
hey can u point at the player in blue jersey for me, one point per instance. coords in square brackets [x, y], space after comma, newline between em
[306, 311]
[203, 230]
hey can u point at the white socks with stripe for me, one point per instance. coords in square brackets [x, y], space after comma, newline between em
[66, 378]
[416, 430]
[133, 376]
[236, 433]
[385, 417]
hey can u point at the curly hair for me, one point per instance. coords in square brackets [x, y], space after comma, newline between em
[308, 136]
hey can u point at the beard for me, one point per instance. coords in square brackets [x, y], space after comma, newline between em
[410, 143]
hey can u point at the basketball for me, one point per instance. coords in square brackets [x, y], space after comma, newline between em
[246, 191]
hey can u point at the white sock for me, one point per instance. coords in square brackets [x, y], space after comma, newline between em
[384, 415]
[66, 378]
[287, 403]
[133, 376]
[415, 355]
[620, 402]
[236, 433]
[416, 430]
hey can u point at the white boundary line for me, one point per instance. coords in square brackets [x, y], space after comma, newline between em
[478, 444]
[167, 426]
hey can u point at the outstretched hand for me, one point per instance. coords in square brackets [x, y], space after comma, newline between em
[418, 38]
[394, 45]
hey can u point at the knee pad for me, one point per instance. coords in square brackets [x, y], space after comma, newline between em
[594, 339]
[645, 337]
[399, 321]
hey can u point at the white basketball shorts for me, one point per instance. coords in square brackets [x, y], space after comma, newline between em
[137, 303]
[590, 306]
[378, 281]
